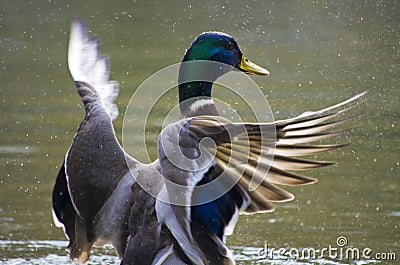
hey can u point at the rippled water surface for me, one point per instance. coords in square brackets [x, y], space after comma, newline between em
[319, 53]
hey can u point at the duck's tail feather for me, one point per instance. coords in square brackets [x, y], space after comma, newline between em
[86, 64]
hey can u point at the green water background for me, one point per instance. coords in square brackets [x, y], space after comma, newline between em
[318, 53]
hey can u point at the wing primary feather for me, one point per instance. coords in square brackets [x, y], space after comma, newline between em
[291, 140]
[282, 177]
[312, 129]
[303, 150]
[86, 64]
[266, 190]
[282, 162]
[302, 122]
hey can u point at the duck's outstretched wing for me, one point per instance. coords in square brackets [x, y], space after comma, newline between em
[208, 183]
[86, 64]
[92, 194]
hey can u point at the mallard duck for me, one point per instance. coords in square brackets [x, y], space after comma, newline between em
[97, 198]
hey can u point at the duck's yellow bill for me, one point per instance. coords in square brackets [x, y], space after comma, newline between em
[251, 68]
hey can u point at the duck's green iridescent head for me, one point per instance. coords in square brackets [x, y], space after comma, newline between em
[217, 47]
[220, 47]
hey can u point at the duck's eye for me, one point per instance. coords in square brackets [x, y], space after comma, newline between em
[229, 45]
